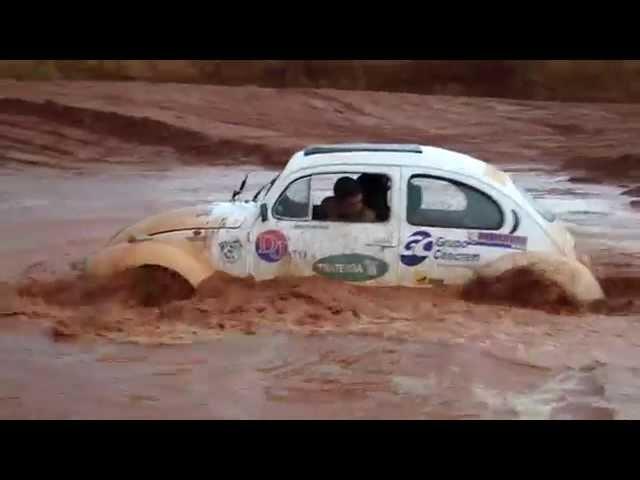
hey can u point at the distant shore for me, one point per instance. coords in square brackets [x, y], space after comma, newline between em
[552, 80]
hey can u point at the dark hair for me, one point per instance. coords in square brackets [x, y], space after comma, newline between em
[372, 182]
[346, 187]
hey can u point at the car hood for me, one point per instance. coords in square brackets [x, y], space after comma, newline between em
[212, 216]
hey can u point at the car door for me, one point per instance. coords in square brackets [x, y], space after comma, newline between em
[451, 225]
[295, 242]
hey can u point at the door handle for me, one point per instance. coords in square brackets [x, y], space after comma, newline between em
[381, 244]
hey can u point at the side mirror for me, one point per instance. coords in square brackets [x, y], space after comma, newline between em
[264, 212]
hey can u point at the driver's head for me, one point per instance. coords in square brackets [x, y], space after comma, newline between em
[348, 195]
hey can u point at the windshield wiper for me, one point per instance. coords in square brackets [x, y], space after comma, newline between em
[241, 189]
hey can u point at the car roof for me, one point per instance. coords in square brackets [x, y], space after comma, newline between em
[403, 155]
[361, 147]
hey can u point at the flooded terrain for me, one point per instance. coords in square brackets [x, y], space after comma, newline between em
[292, 350]
[284, 376]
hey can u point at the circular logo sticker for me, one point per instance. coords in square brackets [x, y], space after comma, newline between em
[417, 249]
[271, 246]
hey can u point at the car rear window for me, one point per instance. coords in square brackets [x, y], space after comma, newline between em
[443, 203]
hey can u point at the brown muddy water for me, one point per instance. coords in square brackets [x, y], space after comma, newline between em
[285, 376]
[301, 349]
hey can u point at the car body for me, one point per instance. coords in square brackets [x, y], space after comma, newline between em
[451, 217]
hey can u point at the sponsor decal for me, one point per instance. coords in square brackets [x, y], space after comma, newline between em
[442, 242]
[299, 254]
[445, 256]
[498, 240]
[272, 246]
[421, 244]
[352, 267]
[231, 250]
[417, 249]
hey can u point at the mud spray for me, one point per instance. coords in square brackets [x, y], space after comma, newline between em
[152, 306]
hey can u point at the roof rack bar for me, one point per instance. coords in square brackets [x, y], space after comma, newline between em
[362, 147]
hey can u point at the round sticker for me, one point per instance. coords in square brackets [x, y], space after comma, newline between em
[271, 246]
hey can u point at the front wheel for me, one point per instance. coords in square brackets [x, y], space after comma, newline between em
[153, 286]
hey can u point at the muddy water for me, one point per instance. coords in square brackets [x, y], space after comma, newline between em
[602, 219]
[280, 376]
[459, 361]
[51, 217]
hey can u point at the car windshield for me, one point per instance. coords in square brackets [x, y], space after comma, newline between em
[264, 190]
[548, 215]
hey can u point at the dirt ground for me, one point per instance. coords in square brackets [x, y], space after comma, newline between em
[80, 160]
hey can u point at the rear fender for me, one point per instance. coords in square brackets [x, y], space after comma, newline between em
[574, 277]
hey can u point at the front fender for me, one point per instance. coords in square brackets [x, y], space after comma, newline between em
[118, 258]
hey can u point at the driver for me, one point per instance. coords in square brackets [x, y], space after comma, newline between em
[347, 203]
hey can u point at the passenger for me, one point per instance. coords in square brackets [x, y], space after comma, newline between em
[375, 188]
[346, 205]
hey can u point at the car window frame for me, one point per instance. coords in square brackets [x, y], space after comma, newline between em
[456, 183]
[283, 192]
[310, 209]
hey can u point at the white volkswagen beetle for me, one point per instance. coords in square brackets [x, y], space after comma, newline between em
[441, 218]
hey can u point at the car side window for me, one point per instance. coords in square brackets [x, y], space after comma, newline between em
[362, 198]
[438, 202]
[294, 202]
